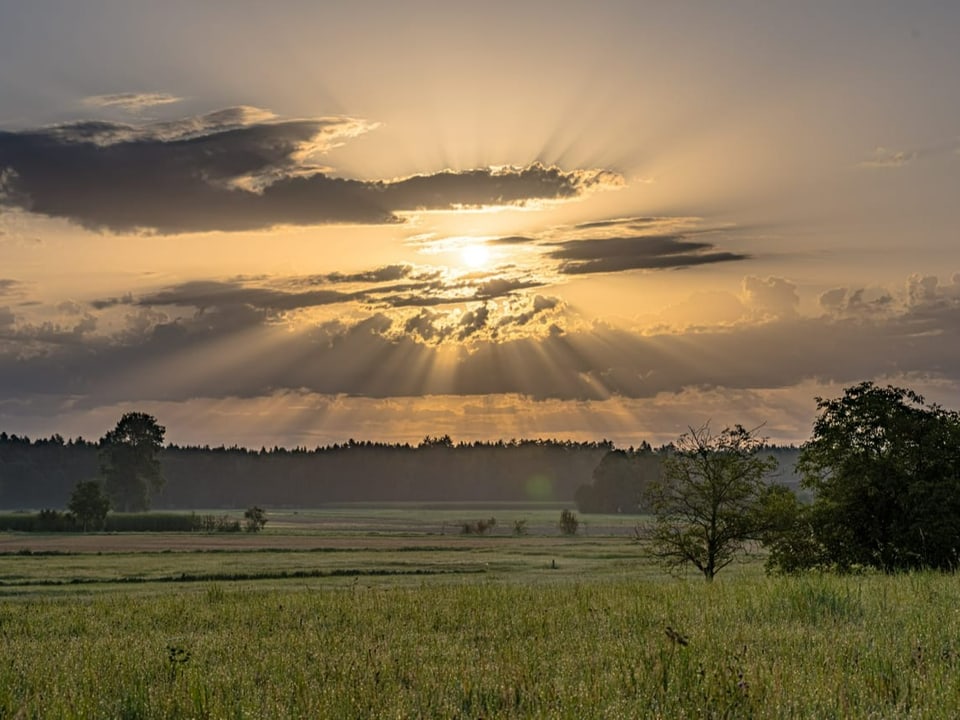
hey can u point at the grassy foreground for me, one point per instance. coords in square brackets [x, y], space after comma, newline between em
[809, 647]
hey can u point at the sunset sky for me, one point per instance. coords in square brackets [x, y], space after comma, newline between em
[298, 222]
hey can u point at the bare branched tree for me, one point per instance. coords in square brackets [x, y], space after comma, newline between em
[709, 500]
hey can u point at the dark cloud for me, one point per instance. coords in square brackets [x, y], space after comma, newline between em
[7, 286]
[472, 322]
[511, 240]
[238, 169]
[501, 286]
[634, 223]
[207, 294]
[423, 288]
[386, 273]
[644, 252]
[538, 306]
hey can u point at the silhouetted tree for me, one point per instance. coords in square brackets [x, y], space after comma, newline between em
[709, 499]
[569, 522]
[89, 505]
[129, 461]
[885, 470]
[619, 482]
[256, 518]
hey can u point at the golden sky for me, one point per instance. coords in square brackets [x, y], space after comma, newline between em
[295, 223]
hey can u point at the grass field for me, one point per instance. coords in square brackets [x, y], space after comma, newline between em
[317, 618]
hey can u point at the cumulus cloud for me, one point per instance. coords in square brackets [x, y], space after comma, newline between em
[240, 169]
[771, 297]
[858, 302]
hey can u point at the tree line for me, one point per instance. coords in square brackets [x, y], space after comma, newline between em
[43, 473]
[881, 469]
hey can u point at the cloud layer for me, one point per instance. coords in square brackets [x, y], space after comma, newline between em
[234, 343]
[239, 169]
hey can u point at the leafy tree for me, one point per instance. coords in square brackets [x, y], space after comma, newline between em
[712, 497]
[256, 518]
[885, 470]
[89, 505]
[129, 462]
[619, 482]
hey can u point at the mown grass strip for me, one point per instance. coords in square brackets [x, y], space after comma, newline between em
[231, 577]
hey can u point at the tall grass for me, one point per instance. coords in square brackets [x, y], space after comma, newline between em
[751, 647]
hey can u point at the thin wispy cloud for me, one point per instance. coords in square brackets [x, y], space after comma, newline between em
[132, 102]
[885, 158]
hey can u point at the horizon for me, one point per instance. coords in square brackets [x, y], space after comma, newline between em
[295, 225]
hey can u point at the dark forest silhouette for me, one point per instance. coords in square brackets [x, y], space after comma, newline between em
[43, 472]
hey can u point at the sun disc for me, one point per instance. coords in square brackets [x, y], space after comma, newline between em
[475, 256]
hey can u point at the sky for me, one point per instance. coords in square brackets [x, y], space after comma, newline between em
[294, 223]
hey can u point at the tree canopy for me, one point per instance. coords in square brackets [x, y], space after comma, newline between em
[89, 505]
[710, 498]
[885, 469]
[619, 482]
[129, 461]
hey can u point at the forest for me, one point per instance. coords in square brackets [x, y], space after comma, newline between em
[41, 473]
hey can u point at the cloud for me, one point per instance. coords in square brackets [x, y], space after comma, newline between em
[8, 286]
[212, 294]
[389, 286]
[645, 252]
[131, 102]
[240, 169]
[860, 302]
[884, 158]
[472, 322]
[235, 349]
[771, 297]
[385, 273]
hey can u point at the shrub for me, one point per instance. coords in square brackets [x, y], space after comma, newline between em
[480, 527]
[569, 522]
[256, 518]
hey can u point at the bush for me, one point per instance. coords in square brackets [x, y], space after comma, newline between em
[569, 522]
[256, 518]
[213, 523]
[480, 527]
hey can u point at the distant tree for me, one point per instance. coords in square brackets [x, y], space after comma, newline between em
[710, 498]
[884, 467]
[129, 462]
[89, 505]
[569, 522]
[255, 518]
[619, 482]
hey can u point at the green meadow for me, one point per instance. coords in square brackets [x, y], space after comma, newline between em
[394, 613]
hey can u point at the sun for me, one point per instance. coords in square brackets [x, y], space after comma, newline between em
[475, 256]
